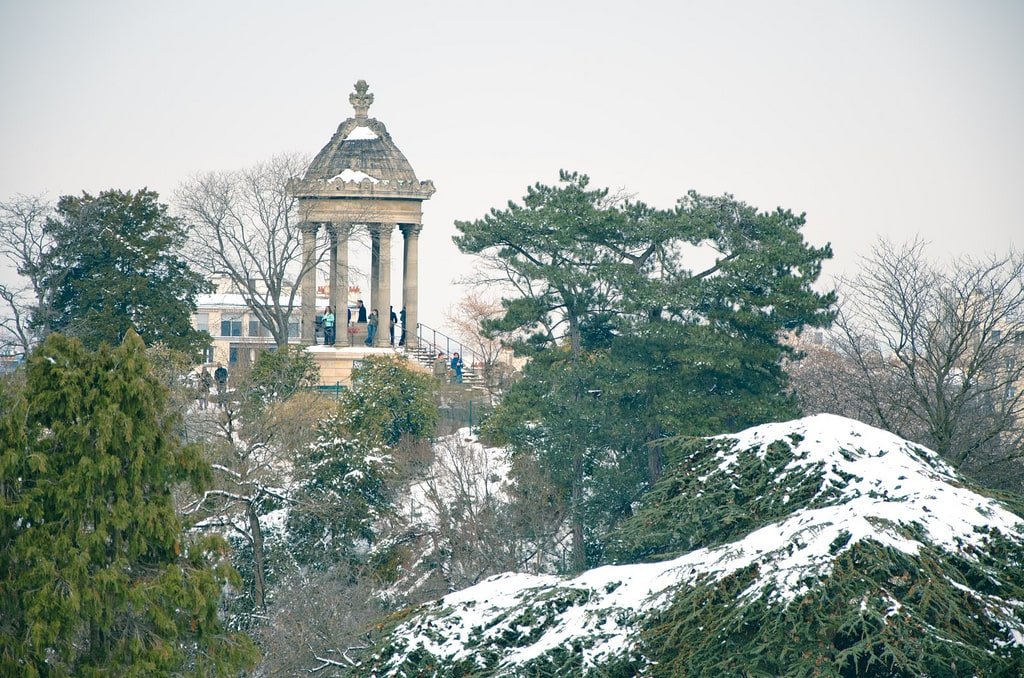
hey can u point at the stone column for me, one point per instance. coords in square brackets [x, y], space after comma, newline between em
[374, 267]
[342, 230]
[332, 269]
[340, 267]
[308, 282]
[381, 234]
[410, 282]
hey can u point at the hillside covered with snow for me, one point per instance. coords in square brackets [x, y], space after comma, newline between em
[820, 546]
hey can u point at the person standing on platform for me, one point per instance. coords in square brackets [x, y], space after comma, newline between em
[392, 321]
[328, 327]
[361, 318]
[401, 317]
[371, 328]
[205, 384]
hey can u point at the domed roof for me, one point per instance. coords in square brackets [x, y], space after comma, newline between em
[361, 150]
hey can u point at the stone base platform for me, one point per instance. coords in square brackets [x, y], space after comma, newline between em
[335, 362]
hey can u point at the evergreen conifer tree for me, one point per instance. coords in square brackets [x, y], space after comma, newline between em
[343, 476]
[96, 577]
[114, 265]
[653, 322]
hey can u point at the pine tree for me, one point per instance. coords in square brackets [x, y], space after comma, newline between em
[96, 577]
[643, 323]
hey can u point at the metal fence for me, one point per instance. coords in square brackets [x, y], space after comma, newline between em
[456, 415]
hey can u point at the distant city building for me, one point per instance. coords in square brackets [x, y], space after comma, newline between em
[10, 362]
[238, 336]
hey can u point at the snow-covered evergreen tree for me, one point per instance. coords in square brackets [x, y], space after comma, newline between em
[818, 547]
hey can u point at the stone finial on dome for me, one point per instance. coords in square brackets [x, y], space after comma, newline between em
[361, 100]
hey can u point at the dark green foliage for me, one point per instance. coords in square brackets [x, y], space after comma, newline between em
[341, 494]
[95, 575]
[637, 337]
[573, 446]
[390, 400]
[275, 377]
[693, 506]
[114, 266]
[342, 487]
[879, 613]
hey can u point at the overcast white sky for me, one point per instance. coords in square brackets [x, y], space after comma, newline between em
[873, 117]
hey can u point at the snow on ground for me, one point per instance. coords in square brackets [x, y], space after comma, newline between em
[880, 476]
[889, 483]
[462, 467]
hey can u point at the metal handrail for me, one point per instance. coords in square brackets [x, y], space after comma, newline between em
[430, 338]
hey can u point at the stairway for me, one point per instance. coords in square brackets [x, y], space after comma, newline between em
[425, 354]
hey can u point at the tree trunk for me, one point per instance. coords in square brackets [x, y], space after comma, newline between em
[655, 457]
[655, 464]
[579, 548]
[259, 574]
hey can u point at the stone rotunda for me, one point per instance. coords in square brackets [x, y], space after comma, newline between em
[360, 180]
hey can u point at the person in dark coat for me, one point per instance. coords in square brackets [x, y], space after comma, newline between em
[457, 368]
[361, 318]
[220, 375]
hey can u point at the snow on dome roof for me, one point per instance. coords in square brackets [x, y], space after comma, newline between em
[361, 133]
[353, 175]
[362, 144]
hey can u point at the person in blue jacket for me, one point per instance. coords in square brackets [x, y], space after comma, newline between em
[457, 368]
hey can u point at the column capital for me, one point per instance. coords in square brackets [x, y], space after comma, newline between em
[411, 230]
[339, 229]
[309, 227]
[380, 228]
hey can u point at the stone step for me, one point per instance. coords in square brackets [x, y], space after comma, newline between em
[426, 358]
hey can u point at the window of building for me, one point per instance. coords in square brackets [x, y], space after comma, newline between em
[208, 354]
[232, 355]
[203, 322]
[231, 327]
[293, 328]
[997, 335]
[256, 329]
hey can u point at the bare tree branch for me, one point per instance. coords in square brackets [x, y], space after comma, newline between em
[936, 354]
